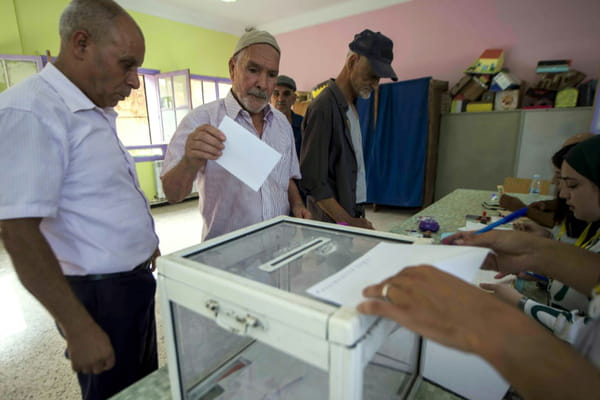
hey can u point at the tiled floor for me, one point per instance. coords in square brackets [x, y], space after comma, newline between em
[32, 365]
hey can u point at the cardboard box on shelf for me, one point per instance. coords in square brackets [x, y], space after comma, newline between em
[504, 81]
[507, 100]
[457, 105]
[489, 62]
[539, 98]
[566, 98]
[586, 93]
[553, 66]
[479, 106]
[474, 89]
[456, 89]
[560, 81]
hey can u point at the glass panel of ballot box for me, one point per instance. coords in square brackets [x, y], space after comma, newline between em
[239, 323]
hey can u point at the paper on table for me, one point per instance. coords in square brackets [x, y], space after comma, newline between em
[245, 156]
[386, 259]
[475, 226]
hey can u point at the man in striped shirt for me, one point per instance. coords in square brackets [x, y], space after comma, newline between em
[227, 204]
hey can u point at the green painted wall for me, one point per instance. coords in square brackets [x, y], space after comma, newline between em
[10, 42]
[38, 25]
[31, 27]
[171, 46]
[145, 173]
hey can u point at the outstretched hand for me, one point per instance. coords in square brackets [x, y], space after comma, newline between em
[513, 251]
[434, 304]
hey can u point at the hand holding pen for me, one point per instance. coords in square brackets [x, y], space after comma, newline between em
[462, 238]
[509, 218]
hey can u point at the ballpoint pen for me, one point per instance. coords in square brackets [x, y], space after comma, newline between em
[537, 276]
[510, 217]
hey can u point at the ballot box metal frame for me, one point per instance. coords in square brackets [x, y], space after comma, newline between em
[337, 340]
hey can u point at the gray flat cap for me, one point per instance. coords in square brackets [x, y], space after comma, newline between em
[286, 81]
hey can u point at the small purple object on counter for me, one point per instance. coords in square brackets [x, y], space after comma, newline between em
[428, 224]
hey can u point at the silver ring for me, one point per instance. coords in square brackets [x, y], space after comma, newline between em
[384, 292]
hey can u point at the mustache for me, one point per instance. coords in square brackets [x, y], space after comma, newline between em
[258, 93]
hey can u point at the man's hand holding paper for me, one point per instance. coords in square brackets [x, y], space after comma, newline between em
[205, 143]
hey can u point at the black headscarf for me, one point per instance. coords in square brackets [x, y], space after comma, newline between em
[585, 159]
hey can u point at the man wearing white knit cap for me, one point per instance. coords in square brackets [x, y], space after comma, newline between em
[227, 204]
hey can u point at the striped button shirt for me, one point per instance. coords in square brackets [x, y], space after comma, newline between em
[225, 202]
[61, 160]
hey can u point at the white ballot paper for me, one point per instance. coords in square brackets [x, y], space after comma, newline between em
[245, 156]
[386, 259]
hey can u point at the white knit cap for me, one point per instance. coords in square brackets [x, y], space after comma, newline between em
[252, 36]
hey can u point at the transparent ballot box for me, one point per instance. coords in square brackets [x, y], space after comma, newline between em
[240, 324]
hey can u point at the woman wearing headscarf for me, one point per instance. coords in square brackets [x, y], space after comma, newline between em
[579, 185]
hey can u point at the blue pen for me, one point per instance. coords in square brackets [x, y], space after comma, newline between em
[538, 276]
[510, 217]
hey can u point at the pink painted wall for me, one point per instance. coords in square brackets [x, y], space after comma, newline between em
[440, 38]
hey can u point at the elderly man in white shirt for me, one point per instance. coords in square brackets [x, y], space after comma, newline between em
[225, 202]
[74, 220]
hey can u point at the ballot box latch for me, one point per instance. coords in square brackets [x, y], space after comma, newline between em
[234, 320]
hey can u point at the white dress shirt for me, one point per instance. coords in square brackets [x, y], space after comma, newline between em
[61, 160]
[225, 202]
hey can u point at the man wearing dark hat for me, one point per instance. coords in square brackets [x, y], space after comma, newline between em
[227, 204]
[332, 163]
[283, 98]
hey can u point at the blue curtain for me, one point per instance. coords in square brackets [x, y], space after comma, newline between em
[395, 150]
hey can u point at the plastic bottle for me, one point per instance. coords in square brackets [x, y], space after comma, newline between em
[535, 188]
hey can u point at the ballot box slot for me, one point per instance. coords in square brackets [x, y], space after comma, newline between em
[293, 254]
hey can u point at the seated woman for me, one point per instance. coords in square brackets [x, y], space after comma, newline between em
[567, 228]
[545, 212]
[580, 189]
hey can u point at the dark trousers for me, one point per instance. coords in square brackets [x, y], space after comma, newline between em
[124, 307]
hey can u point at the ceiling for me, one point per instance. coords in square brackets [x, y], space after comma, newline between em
[275, 16]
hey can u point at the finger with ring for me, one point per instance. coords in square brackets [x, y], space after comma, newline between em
[385, 291]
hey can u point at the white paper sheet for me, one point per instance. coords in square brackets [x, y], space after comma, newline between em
[386, 259]
[466, 374]
[475, 226]
[245, 156]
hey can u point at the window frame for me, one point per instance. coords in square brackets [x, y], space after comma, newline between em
[214, 79]
[39, 62]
